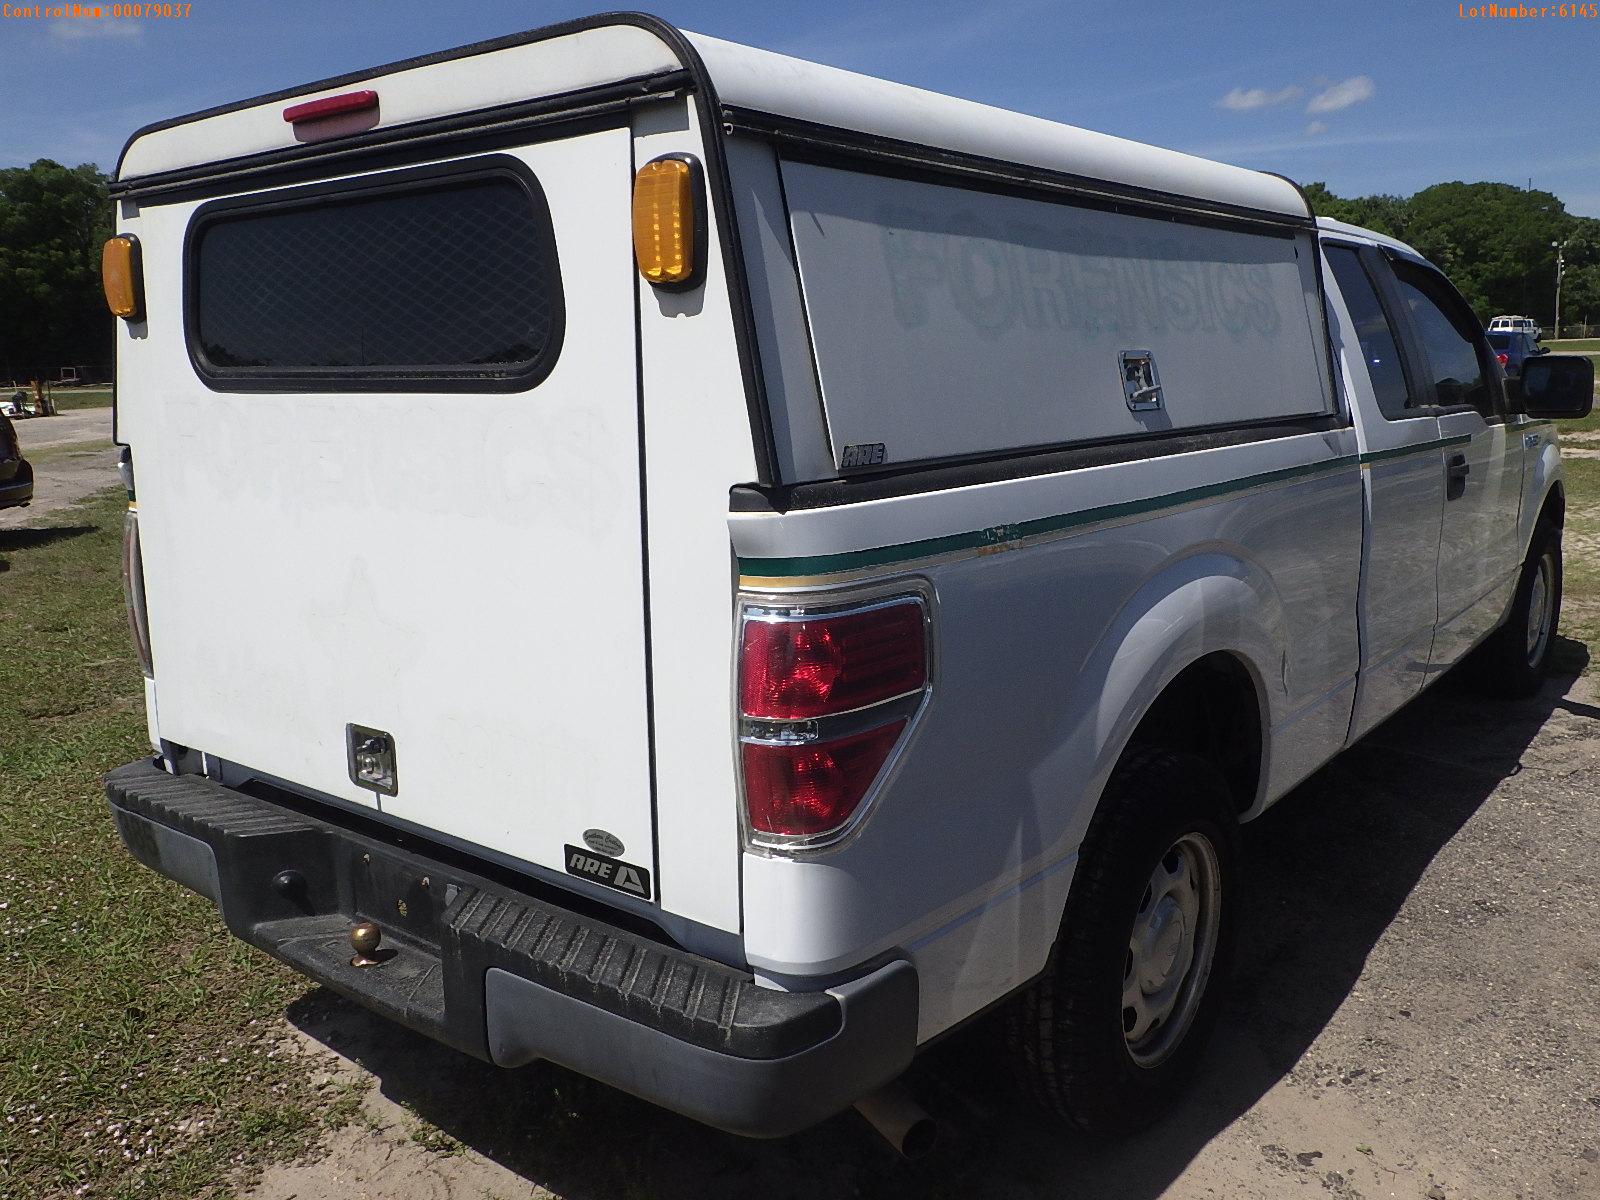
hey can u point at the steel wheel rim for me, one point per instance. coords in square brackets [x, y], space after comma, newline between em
[1540, 610]
[1171, 948]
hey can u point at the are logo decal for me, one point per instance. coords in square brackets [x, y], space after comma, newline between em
[613, 872]
[869, 454]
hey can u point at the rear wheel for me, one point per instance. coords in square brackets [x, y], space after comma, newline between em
[1114, 1027]
[1514, 658]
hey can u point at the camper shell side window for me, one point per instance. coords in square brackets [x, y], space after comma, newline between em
[950, 323]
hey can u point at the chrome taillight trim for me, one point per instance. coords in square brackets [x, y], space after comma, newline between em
[133, 591]
[908, 706]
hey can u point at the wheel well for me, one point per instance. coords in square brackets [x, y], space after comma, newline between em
[1211, 709]
[1555, 507]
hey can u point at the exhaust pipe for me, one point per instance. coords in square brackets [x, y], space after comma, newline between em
[900, 1119]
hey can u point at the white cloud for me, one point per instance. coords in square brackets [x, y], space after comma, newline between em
[1246, 99]
[1342, 95]
[1316, 127]
[79, 29]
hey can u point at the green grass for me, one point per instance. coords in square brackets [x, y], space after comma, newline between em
[140, 1055]
[1580, 606]
[82, 398]
[66, 450]
[1583, 425]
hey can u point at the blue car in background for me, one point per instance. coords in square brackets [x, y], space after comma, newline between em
[1512, 348]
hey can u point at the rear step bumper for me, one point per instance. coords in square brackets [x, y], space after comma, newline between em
[512, 978]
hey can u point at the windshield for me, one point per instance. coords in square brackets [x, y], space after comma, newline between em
[1500, 341]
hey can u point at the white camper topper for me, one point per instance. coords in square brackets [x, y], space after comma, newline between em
[728, 568]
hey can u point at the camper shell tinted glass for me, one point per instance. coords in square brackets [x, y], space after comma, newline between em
[952, 323]
[432, 279]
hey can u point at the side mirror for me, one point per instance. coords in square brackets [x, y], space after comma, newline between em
[1558, 386]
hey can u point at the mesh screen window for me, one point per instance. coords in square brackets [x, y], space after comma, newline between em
[450, 282]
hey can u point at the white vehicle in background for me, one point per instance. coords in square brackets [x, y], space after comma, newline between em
[1515, 324]
[713, 570]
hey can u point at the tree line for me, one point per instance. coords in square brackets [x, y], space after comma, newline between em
[1492, 239]
[53, 221]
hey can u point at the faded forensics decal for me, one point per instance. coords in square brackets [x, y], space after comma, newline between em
[602, 842]
[625, 877]
[868, 454]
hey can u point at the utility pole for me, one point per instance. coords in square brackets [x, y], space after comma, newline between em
[1558, 246]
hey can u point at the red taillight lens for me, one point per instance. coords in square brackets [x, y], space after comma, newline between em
[794, 670]
[824, 699]
[803, 789]
[1504, 358]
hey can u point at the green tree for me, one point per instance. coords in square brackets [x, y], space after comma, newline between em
[1580, 284]
[1492, 239]
[53, 221]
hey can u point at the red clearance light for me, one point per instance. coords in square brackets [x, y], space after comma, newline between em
[792, 670]
[803, 789]
[330, 106]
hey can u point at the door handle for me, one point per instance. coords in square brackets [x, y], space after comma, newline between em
[1456, 476]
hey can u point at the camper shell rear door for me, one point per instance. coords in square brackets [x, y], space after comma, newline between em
[399, 492]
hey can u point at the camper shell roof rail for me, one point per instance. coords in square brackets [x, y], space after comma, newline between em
[623, 57]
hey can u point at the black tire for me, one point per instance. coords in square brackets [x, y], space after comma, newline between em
[1512, 662]
[1066, 1031]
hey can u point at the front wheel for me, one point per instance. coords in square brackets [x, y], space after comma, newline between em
[1515, 657]
[1111, 1031]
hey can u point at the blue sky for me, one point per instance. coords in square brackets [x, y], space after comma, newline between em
[1376, 95]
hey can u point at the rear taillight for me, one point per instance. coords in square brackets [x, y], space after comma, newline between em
[826, 696]
[808, 667]
[1504, 358]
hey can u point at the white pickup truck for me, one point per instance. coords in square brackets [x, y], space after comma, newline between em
[713, 570]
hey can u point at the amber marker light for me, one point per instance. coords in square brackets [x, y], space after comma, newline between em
[120, 275]
[669, 225]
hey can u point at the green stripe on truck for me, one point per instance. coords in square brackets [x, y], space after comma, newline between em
[999, 535]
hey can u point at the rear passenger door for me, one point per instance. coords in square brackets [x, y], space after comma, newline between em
[1478, 545]
[1402, 487]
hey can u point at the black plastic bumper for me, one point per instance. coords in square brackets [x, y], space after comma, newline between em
[512, 978]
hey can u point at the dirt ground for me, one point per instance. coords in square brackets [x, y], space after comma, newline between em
[1414, 1015]
[71, 458]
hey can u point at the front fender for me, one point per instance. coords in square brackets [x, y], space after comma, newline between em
[1544, 474]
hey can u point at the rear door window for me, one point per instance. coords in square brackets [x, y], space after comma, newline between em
[431, 279]
[1379, 348]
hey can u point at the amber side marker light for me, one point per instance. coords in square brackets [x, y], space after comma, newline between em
[120, 275]
[669, 221]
